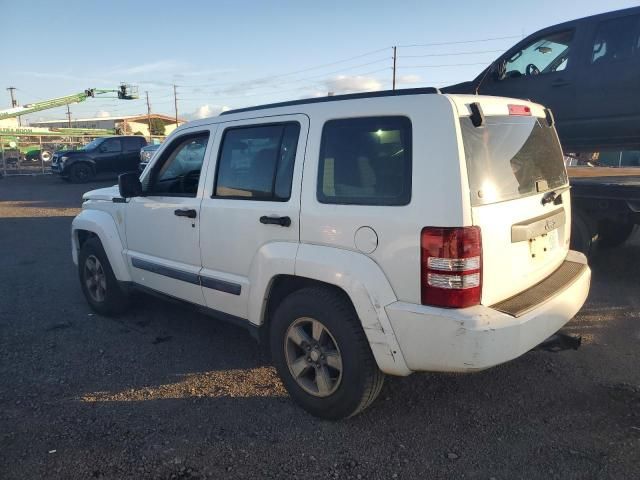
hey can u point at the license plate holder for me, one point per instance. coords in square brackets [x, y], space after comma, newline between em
[541, 246]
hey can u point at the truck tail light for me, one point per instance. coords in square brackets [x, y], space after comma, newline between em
[451, 266]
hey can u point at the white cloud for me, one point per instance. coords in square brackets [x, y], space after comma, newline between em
[409, 79]
[349, 84]
[207, 110]
[103, 114]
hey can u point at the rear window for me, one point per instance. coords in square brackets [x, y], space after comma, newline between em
[510, 157]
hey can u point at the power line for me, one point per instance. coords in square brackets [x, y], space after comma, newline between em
[278, 91]
[459, 42]
[443, 65]
[304, 79]
[288, 74]
[451, 54]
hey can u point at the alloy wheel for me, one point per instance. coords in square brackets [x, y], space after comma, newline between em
[313, 357]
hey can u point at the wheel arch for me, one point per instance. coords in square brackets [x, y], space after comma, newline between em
[345, 272]
[100, 224]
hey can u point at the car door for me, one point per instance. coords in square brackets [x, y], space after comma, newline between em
[130, 154]
[540, 69]
[108, 155]
[252, 206]
[163, 225]
[610, 87]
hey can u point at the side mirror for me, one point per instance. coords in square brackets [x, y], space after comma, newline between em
[129, 185]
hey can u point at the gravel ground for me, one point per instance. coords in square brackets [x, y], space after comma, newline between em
[164, 392]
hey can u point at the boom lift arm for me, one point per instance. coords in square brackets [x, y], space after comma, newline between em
[124, 92]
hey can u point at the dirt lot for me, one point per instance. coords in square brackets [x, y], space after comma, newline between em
[168, 393]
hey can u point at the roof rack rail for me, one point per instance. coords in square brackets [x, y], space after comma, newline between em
[337, 98]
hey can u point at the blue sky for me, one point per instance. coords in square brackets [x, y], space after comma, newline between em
[240, 53]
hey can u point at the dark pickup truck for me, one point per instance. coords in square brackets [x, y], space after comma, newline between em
[587, 71]
[103, 156]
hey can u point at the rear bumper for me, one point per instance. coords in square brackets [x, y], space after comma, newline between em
[475, 338]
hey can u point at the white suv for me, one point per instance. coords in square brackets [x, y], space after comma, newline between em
[357, 235]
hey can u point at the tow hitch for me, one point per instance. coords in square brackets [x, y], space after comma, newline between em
[560, 341]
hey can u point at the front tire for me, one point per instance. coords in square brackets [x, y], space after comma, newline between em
[99, 284]
[80, 172]
[322, 355]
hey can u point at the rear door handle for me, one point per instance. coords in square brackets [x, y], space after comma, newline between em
[560, 83]
[184, 212]
[282, 221]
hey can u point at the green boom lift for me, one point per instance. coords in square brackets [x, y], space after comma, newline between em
[124, 92]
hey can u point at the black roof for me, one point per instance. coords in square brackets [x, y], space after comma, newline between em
[337, 98]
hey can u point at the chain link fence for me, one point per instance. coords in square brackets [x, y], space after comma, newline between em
[32, 154]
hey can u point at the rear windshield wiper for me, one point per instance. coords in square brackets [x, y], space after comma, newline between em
[553, 194]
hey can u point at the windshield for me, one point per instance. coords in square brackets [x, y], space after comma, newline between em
[93, 144]
[510, 157]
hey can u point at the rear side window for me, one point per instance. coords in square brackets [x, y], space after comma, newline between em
[131, 144]
[256, 162]
[111, 145]
[616, 39]
[365, 161]
[510, 157]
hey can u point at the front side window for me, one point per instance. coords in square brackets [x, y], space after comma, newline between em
[178, 172]
[93, 144]
[111, 145]
[544, 55]
[616, 39]
[256, 162]
[365, 161]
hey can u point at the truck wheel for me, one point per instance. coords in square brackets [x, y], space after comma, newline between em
[80, 172]
[322, 355]
[582, 232]
[99, 284]
[613, 234]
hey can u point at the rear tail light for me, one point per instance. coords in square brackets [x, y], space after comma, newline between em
[451, 266]
[519, 110]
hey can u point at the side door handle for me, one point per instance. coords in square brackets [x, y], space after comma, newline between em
[184, 212]
[560, 83]
[282, 221]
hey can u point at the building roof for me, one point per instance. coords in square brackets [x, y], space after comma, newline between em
[131, 118]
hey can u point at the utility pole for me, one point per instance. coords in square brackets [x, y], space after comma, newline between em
[175, 102]
[148, 114]
[394, 66]
[68, 116]
[14, 102]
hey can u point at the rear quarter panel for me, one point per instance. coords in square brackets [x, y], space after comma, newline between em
[438, 191]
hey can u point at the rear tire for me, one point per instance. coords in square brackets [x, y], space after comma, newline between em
[613, 234]
[582, 232]
[80, 173]
[98, 283]
[322, 355]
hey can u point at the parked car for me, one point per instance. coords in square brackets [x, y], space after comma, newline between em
[356, 235]
[586, 70]
[146, 153]
[105, 155]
